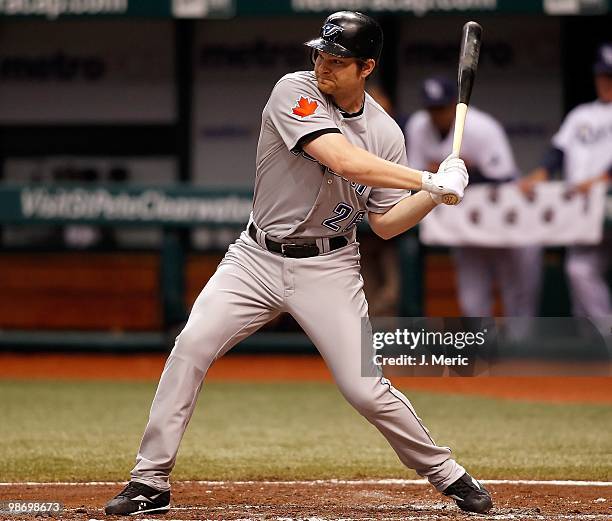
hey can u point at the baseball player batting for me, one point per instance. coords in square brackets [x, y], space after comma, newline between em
[327, 156]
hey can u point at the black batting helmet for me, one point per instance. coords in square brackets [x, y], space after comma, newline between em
[349, 34]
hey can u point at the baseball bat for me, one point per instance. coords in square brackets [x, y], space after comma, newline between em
[468, 62]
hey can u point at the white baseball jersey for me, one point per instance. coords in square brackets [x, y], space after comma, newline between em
[585, 137]
[295, 196]
[484, 146]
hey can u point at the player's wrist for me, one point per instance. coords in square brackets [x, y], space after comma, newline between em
[436, 198]
[428, 184]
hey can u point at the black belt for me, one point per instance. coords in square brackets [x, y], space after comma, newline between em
[297, 251]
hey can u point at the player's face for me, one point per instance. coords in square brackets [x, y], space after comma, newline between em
[442, 117]
[603, 85]
[336, 75]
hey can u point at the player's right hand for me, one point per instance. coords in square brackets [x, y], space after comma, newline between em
[451, 179]
[527, 187]
[527, 184]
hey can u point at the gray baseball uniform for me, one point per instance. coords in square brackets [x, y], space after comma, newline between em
[297, 200]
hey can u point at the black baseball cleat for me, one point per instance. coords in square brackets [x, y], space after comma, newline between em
[138, 498]
[469, 495]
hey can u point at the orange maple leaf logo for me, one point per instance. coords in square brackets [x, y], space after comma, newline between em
[304, 107]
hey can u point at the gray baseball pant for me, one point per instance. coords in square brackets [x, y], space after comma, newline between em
[586, 268]
[517, 272]
[324, 294]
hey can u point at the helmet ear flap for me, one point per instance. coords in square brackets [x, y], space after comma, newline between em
[314, 53]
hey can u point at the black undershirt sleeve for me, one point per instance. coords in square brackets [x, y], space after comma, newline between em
[553, 160]
[304, 140]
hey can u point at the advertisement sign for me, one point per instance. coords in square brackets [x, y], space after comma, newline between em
[233, 79]
[122, 204]
[54, 9]
[74, 72]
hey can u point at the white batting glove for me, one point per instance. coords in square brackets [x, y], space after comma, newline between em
[450, 180]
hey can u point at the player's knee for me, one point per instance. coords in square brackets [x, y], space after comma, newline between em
[196, 346]
[364, 399]
[577, 270]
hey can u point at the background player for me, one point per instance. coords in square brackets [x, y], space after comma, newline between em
[582, 148]
[381, 273]
[327, 155]
[488, 156]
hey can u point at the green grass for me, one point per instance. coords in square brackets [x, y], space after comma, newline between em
[55, 431]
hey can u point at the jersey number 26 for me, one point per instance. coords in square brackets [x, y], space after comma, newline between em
[342, 212]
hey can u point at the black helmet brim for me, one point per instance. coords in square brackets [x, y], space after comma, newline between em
[320, 44]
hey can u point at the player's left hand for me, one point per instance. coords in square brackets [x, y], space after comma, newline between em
[585, 186]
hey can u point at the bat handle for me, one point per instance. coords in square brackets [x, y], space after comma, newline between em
[460, 114]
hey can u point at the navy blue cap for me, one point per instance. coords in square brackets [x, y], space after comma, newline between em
[603, 65]
[438, 91]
